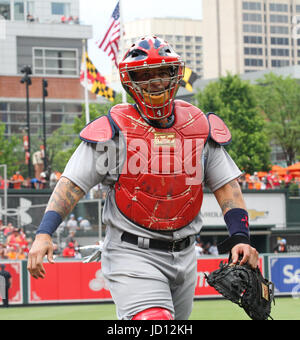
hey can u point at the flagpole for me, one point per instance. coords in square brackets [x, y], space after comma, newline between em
[86, 92]
[122, 32]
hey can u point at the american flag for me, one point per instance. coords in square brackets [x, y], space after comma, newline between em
[110, 42]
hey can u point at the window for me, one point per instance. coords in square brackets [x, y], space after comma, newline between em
[252, 17]
[247, 28]
[279, 41]
[5, 9]
[253, 51]
[249, 39]
[19, 10]
[253, 62]
[283, 19]
[280, 52]
[280, 63]
[60, 8]
[278, 8]
[252, 6]
[279, 30]
[55, 62]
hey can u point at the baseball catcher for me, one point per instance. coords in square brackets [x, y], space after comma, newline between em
[244, 286]
[155, 156]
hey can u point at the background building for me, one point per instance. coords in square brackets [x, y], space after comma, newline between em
[245, 36]
[47, 36]
[185, 35]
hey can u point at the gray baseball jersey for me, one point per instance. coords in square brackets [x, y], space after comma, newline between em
[140, 277]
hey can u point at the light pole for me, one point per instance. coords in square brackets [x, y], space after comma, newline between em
[26, 79]
[4, 166]
[45, 94]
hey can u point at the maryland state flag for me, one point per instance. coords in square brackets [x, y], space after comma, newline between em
[95, 82]
[189, 78]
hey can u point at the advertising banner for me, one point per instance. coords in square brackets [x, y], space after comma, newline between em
[84, 282]
[69, 282]
[285, 273]
[15, 292]
[263, 209]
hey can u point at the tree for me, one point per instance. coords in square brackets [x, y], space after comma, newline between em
[59, 147]
[279, 100]
[234, 101]
[8, 153]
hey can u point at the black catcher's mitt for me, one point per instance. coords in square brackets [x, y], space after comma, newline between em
[244, 286]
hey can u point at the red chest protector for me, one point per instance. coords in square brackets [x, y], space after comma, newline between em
[160, 187]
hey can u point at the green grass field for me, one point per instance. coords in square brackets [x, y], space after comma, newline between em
[284, 309]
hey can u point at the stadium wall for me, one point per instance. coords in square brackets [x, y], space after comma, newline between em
[70, 282]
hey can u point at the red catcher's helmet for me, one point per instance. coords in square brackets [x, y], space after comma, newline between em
[150, 54]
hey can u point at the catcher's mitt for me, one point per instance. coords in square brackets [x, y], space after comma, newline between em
[246, 287]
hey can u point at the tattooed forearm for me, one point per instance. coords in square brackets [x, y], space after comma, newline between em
[230, 197]
[236, 189]
[227, 205]
[64, 197]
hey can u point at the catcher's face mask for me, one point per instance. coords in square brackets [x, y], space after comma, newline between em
[150, 72]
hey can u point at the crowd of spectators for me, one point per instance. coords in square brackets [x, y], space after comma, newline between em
[44, 181]
[14, 245]
[268, 180]
[257, 181]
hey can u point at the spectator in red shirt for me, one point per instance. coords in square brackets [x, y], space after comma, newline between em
[69, 251]
[16, 239]
[276, 181]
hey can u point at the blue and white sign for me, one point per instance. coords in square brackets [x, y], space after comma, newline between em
[285, 274]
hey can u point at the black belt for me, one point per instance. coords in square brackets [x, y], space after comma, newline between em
[174, 246]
